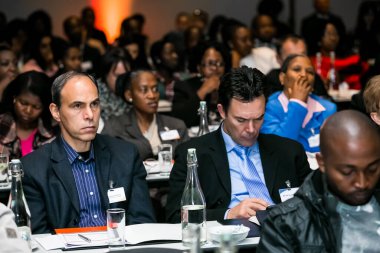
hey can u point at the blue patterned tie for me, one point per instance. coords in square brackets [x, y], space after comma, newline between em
[251, 178]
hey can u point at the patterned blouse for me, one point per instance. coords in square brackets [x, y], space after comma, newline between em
[110, 103]
[10, 143]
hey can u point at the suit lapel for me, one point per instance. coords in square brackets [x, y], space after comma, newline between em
[62, 169]
[219, 157]
[102, 170]
[269, 163]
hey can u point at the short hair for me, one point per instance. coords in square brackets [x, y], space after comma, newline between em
[288, 60]
[62, 80]
[244, 84]
[294, 38]
[124, 81]
[371, 95]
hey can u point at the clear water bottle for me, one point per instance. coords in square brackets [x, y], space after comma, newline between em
[193, 205]
[17, 201]
[203, 121]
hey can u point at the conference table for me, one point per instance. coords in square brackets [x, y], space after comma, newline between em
[247, 245]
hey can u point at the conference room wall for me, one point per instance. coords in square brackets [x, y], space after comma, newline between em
[160, 13]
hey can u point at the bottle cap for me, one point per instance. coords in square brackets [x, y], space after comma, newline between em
[191, 155]
[202, 104]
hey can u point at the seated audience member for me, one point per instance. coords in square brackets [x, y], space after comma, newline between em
[337, 208]
[182, 22]
[264, 32]
[166, 61]
[311, 23]
[42, 58]
[237, 37]
[116, 61]
[66, 181]
[138, 58]
[8, 68]
[348, 66]
[212, 60]
[70, 60]
[10, 238]
[371, 97]
[88, 20]
[240, 171]
[142, 125]
[273, 8]
[295, 112]
[27, 124]
[291, 44]
[91, 49]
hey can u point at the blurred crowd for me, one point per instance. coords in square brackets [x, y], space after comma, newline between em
[185, 65]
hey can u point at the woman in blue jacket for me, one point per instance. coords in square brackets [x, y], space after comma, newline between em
[295, 112]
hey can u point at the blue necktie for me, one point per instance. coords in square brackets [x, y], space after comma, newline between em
[256, 188]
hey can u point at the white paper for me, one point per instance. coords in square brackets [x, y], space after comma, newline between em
[68, 241]
[51, 242]
[135, 234]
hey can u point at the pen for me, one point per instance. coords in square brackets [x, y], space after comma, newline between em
[84, 238]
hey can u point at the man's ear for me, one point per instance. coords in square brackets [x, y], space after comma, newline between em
[54, 110]
[221, 111]
[320, 162]
[375, 117]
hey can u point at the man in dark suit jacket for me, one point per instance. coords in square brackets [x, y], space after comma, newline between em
[280, 161]
[67, 182]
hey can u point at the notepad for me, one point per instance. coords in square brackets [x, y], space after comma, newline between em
[134, 234]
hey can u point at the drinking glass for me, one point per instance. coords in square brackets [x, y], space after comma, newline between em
[116, 228]
[165, 159]
[4, 158]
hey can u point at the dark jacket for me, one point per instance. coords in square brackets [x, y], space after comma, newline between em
[306, 223]
[125, 127]
[51, 192]
[282, 160]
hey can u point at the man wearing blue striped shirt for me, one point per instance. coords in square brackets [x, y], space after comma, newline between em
[67, 182]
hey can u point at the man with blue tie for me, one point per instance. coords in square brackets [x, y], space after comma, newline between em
[72, 181]
[240, 170]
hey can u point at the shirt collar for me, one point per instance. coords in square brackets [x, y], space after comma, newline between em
[230, 143]
[72, 154]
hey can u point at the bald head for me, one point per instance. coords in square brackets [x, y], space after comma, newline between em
[348, 127]
[350, 156]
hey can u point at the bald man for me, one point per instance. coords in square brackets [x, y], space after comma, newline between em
[336, 209]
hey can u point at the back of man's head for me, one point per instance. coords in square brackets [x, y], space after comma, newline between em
[244, 84]
[350, 156]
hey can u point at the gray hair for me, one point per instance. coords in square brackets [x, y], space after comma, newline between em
[61, 81]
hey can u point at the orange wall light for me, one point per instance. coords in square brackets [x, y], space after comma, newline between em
[109, 15]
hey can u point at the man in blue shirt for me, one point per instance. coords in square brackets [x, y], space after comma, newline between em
[72, 181]
[240, 170]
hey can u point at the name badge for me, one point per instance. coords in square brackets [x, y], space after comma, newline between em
[314, 141]
[169, 135]
[287, 193]
[116, 195]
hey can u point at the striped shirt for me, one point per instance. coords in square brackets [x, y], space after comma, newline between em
[91, 212]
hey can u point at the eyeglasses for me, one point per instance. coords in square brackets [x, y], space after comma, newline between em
[217, 64]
